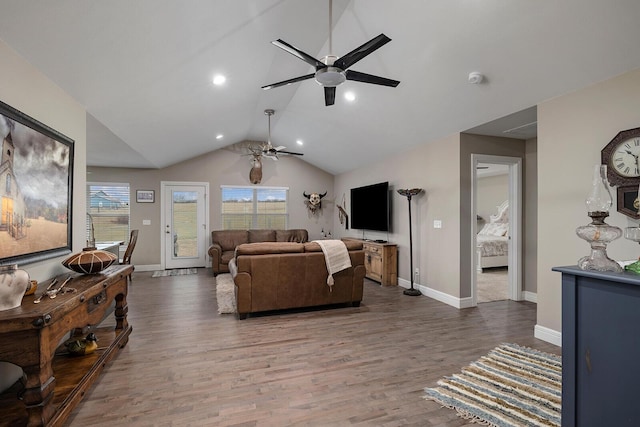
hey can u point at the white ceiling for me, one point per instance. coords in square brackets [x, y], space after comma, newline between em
[143, 69]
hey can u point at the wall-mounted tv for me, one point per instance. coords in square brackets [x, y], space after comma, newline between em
[370, 207]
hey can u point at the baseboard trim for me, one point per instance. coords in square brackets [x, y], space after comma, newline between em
[148, 267]
[549, 335]
[530, 296]
[437, 295]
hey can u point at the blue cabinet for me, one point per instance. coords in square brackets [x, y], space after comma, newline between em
[600, 348]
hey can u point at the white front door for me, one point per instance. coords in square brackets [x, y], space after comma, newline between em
[185, 224]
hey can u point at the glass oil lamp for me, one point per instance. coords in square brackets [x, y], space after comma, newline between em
[598, 233]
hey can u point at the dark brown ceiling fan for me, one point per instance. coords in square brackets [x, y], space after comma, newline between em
[332, 70]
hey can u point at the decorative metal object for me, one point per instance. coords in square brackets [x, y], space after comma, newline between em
[598, 233]
[409, 193]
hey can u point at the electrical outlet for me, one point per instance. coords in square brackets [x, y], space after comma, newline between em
[417, 273]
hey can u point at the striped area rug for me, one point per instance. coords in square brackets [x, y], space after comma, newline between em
[511, 386]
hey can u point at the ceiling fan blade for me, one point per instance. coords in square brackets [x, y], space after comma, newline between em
[290, 153]
[288, 82]
[358, 53]
[329, 95]
[369, 78]
[279, 147]
[298, 53]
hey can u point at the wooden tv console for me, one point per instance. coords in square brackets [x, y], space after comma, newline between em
[32, 337]
[380, 261]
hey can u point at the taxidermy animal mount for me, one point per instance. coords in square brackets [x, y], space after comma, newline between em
[314, 201]
[255, 174]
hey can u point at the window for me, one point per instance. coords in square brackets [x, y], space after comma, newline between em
[108, 212]
[245, 208]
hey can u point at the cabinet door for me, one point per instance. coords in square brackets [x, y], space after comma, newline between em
[376, 266]
[607, 353]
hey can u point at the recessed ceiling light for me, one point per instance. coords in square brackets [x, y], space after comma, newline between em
[219, 80]
[299, 142]
[350, 96]
[219, 136]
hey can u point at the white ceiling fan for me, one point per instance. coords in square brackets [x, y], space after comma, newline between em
[331, 70]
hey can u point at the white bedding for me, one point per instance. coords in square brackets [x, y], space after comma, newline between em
[492, 245]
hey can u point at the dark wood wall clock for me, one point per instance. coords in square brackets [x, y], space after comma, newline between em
[628, 201]
[622, 157]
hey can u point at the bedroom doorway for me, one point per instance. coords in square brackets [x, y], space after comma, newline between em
[496, 228]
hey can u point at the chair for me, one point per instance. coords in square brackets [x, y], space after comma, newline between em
[133, 238]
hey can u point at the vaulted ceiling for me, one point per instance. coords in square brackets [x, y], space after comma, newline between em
[143, 69]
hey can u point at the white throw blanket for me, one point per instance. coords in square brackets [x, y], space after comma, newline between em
[336, 257]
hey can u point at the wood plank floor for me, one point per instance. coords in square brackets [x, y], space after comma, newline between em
[186, 365]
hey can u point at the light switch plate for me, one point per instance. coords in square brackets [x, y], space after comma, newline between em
[437, 223]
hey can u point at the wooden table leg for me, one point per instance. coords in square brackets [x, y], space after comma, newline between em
[38, 393]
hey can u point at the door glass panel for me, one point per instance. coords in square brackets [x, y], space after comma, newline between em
[185, 224]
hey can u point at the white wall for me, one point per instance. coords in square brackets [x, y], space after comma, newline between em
[572, 129]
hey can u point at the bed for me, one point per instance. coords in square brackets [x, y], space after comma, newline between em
[492, 241]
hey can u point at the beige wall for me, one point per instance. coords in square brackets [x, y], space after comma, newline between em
[25, 89]
[221, 167]
[435, 168]
[572, 129]
[530, 230]
[492, 191]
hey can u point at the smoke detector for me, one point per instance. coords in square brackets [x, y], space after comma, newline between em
[475, 77]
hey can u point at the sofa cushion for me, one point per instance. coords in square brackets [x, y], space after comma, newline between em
[299, 235]
[229, 239]
[269, 248]
[262, 236]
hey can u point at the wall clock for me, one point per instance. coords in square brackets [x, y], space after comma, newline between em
[622, 157]
[628, 201]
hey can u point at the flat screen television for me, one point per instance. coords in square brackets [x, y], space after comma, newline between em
[370, 207]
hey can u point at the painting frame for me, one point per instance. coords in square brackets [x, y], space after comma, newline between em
[36, 189]
[145, 196]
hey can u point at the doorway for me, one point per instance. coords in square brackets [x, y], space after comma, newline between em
[499, 259]
[185, 222]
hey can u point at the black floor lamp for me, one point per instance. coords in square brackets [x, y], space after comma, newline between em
[409, 193]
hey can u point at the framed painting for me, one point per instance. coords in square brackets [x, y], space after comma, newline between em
[145, 196]
[36, 177]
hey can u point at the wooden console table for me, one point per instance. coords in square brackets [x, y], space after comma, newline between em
[32, 337]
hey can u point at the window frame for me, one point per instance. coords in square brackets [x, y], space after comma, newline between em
[255, 215]
[90, 215]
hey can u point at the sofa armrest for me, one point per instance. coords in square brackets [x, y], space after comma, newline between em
[215, 252]
[359, 272]
[243, 294]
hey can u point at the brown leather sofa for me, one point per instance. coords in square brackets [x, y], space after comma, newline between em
[276, 276]
[224, 242]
